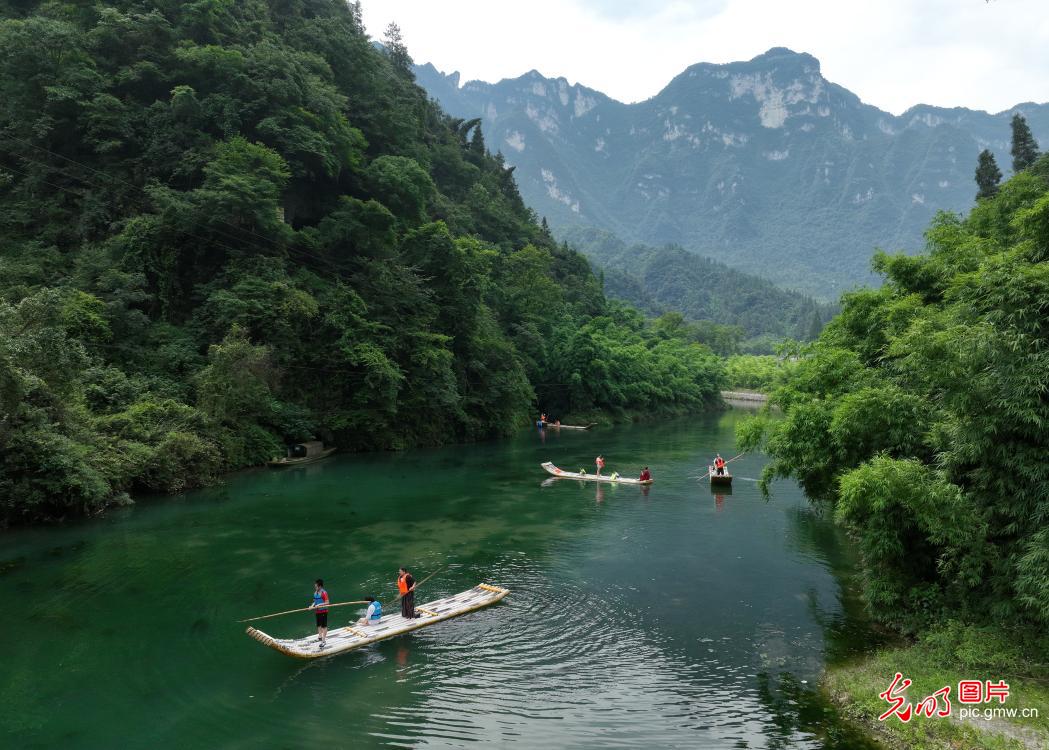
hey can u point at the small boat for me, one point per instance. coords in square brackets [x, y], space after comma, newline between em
[303, 453]
[354, 636]
[560, 474]
[716, 478]
[556, 426]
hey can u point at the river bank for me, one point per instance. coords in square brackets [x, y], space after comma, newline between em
[216, 476]
[944, 658]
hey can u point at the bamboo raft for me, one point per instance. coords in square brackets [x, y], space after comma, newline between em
[561, 474]
[355, 636]
[554, 426]
[715, 478]
[284, 461]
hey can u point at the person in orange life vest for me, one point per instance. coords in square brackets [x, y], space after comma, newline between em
[719, 465]
[645, 475]
[320, 598]
[600, 463]
[406, 588]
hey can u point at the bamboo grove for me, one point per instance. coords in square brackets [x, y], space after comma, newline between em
[921, 417]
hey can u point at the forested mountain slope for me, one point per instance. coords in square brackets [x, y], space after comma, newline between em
[224, 226]
[669, 278]
[764, 164]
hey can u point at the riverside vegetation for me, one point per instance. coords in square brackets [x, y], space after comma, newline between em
[229, 225]
[920, 418]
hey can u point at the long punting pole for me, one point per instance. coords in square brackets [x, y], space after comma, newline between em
[304, 609]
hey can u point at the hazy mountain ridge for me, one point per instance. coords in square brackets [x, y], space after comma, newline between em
[763, 164]
[664, 279]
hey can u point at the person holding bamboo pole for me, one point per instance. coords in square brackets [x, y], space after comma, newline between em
[406, 589]
[320, 598]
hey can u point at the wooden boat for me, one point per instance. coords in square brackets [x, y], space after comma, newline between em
[568, 426]
[354, 636]
[303, 453]
[560, 474]
[715, 478]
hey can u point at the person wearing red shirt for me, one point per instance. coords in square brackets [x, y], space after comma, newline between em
[320, 599]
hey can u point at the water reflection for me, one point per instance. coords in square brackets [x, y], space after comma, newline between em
[796, 705]
[798, 709]
[720, 492]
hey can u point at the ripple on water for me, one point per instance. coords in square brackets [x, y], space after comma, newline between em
[588, 666]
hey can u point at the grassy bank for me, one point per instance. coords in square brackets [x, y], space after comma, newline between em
[943, 658]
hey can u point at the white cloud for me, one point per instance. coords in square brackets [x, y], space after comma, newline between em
[893, 53]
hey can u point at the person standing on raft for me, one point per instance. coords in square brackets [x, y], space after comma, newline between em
[719, 465]
[406, 588]
[320, 598]
[599, 462]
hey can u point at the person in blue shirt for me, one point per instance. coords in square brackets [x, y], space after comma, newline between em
[374, 613]
[319, 607]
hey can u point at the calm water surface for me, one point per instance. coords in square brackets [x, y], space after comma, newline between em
[670, 617]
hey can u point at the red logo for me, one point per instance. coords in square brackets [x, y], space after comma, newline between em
[939, 703]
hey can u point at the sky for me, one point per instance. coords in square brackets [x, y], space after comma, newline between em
[982, 54]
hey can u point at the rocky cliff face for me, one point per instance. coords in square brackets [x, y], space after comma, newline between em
[763, 164]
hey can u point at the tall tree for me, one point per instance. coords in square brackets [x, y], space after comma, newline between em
[397, 50]
[1025, 147]
[987, 175]
[815, 325]
[477, 146]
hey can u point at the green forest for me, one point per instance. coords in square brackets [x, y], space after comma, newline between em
[739, 312]
[226, 226]
[920, 419]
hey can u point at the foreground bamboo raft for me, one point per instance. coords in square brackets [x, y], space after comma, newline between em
[354, 636]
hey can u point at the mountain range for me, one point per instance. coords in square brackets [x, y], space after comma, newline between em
[764, 164]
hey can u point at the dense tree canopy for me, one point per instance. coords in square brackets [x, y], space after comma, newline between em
[922, 414]
[738, 312]
[229, 225]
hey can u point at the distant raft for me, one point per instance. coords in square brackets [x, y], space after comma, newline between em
[303, 453]
[561, 474]
[716, 478]
[555, 426]
[354, 636]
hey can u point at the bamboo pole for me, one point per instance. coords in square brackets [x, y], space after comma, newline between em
[304, 609]
[710, 467]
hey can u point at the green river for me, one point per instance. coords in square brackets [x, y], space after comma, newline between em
[658, 617]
